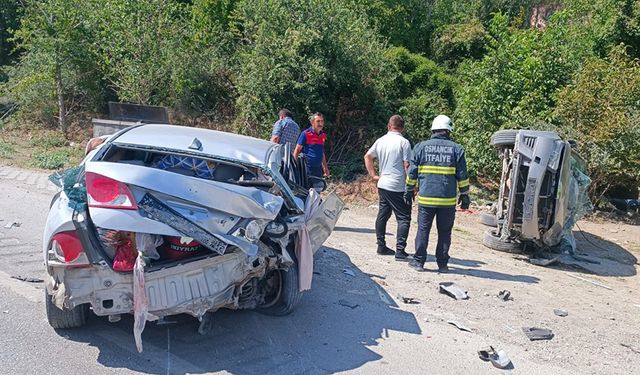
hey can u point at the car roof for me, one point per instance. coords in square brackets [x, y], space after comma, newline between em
[214, 143]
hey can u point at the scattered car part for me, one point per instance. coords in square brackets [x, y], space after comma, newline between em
[453, 290]
[534, 333]
[505, 295]
[560, 312]
[488, 219]
[28, 279]
[349, 304]
[459, 326]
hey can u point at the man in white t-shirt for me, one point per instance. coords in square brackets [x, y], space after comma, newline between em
[393, 152]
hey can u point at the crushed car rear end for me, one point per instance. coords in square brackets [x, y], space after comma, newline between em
[209, 213]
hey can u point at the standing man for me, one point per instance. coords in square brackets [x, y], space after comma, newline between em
[439, 168]
[311, 144]
[285, 130]
[393, 153]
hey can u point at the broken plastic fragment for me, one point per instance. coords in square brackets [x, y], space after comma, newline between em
[534, 333]
[560, 312]
[453, 290]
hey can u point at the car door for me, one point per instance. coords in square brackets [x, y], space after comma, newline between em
[324, 220]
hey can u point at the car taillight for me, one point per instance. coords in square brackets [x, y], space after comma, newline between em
[105, 192]
[67, 248]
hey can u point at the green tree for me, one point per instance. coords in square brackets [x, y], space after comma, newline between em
[307, 55]
[54, 73]
[601, 110]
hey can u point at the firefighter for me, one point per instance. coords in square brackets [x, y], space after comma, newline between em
[438, 168]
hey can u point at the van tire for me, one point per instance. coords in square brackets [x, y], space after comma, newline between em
[503, 138]
[290, 293]
[65, 318]
[488, 219]
[494, 242]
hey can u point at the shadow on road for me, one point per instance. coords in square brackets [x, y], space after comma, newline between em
[610, 258]
[320, 336]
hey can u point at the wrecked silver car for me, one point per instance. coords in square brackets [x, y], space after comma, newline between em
[543, 191]
[163, 220]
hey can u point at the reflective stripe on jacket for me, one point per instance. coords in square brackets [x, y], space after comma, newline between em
[439, 169]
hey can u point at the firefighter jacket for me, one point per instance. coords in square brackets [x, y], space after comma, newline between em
[439, 169]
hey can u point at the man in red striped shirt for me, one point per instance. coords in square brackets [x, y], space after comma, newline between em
[311, 144]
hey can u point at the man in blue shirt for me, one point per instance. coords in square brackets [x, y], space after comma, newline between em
[285, 130]
[311, 144]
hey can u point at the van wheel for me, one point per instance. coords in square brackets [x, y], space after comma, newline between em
[65, 318]
[284, 292]
[488, 219]
[492, 241]
[504, 138]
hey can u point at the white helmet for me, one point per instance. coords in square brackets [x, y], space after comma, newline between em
[442, 122]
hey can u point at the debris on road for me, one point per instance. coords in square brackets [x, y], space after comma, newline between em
[630, 347]
[505, 295]
[453, 290]
[12, 224]
[206, 324]
[543, 261]
[534, 333]
[459, 325]
[499, 359]
[383, 296]
[349, 271]
[372, 275]
[408, 300]
[7, 311]
[28, 279]
[346, 303]
[590, 281]
[560, 312]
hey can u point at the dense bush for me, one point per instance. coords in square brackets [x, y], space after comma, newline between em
[232, 64]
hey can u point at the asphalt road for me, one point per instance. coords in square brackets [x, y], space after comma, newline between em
[321, 336]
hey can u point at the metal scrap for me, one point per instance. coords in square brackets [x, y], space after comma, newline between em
[12, 224]
[534, 333]
[589, 281]
[459, 325]
[560, 312]
[408, 300]
[349, 271]
[346, 303]
[453, 290]
[505, 295]
[28, 279]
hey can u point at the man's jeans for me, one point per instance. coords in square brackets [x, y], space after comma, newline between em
[392, 201]
[445, 217]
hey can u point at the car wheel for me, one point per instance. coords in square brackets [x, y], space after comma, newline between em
[504, 138]
[285, 293]
[65, 318]
[494, 242]
[488, 219]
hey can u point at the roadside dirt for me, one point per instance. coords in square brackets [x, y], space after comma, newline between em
[599, 335]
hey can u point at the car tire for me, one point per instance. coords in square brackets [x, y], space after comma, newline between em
[290, 293]
[494, 242]
[488, 219]
[65, 318]
[503, 138]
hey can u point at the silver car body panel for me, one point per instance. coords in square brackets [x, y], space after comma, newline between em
[324, 220]
[233, 199]
[221, 144]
